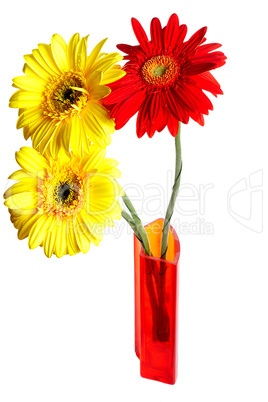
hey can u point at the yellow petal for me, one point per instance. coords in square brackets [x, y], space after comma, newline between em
[84, 141]
[39, 230]
[48, 137]
[94, 78]
[60, 238]
[93, 55]
[29, 116]
[42, 131]
[30, 160]
[36, 67]
[66, 130]
[107, 169]
[30, 73]
[26, 132]
[104, 186]
[93, 161]
[92, 230]
[25, 99]
[112, 75]
[59, 50]
[76, 144]
[25, 228]
[27, 200]
[82, 241]
[94, 130]
[71, 240]
[17, 188]
[99, 92]
[37, 55]
[19, 220]
[29, 130]
[29, 83]
[49, 242]
[19, 212]
[81, 54]
[102, 115]
[21, 175]
[107, 62]
[71, 50]
[46, 52]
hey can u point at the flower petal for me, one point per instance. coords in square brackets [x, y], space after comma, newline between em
[156, 33]
[46, 52]
[59, 51]
[29, 83]
[29, 116]
[36, 67]
[71, 50]
[27, 200]
[30, 160]
[99, 92]
[94, 55]
[172, 32]
[141, 35]
[112, 75]
[39, 230]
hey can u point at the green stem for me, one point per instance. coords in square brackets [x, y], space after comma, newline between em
[174, 195]
[138, 224]
[131, 223]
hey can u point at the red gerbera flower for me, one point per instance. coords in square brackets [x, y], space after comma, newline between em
[165, 78]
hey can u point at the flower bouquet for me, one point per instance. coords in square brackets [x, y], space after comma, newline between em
[66, 190]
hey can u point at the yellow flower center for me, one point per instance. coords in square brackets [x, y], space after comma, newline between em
[159, 70]
[62, 190]
[65, 95]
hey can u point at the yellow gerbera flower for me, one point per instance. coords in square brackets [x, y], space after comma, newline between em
[59, 97]
[63, 204]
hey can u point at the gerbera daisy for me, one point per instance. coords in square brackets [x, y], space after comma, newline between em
[63, 204]
[165, 78]
[60, 96]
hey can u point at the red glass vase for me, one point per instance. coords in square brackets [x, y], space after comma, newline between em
[156, 305]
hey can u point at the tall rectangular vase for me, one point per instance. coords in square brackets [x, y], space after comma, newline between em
[156, 306]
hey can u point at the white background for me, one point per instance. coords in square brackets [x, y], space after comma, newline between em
[67, 325]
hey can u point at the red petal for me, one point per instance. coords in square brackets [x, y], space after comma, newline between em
[198, 117]
[132, 52]
[202, 102]
[140, 125]
[150, 128]
[140, 35]
[181, 97]
[120, 94]
[156, 33]
[142, 118]
[198, 68]
[215, 57]
[126, 81]
[194, 41]
[173, 126]
[125, 110]
[207, 82]
[125, 48]
[176, 109]
[204, 49]
[154, 106]
[181, 35]
[172, 32]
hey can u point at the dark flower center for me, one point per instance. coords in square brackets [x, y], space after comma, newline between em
[66, 194]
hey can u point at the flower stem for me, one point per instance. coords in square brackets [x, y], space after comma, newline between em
[138, 224]
[174, 195]
[131, 223]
